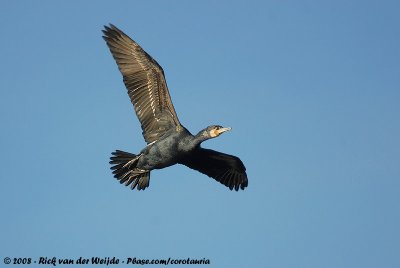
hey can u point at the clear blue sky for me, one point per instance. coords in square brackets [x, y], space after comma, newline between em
[310, 88]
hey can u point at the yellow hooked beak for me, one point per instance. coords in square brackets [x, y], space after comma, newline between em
[222, 130]
[218, 131]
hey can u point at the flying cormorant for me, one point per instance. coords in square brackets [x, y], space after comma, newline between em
[168, 142]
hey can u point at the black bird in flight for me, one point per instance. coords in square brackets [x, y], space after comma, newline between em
[168, 142]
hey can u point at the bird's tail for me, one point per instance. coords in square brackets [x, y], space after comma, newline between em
[125, 170]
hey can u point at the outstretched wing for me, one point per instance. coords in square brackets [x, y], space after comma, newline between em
[145, 81]
[227, 169]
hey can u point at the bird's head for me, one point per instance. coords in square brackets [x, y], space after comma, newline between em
[214, 131]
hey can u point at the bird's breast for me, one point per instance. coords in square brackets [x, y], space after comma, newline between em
[162, 153]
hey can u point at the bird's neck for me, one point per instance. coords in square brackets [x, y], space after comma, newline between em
[199, 138]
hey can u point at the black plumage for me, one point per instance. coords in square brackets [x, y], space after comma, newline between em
[168, 141]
